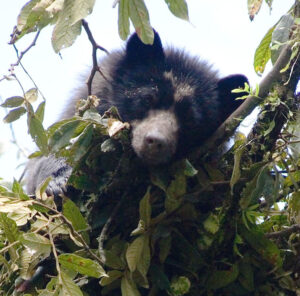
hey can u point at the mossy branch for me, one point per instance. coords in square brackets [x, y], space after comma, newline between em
[228, 127]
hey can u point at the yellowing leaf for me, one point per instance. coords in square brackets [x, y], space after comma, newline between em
[81, 9]
[65, 33]
[31, 95]
[55, 7]
[25, 13]
[82, 265]
[254, 7]
[115, 126]
[42, 5]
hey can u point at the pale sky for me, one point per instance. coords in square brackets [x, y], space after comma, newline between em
[220, 31]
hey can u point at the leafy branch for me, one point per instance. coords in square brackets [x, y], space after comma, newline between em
[251, 102]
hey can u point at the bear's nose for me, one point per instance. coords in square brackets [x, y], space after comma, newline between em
[155, 142]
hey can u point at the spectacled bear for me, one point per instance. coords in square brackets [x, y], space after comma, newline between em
[172, 101]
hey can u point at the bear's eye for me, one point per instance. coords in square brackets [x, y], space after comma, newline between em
[148, 100]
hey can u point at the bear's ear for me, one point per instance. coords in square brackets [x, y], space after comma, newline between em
[139, 53]
[227, 99]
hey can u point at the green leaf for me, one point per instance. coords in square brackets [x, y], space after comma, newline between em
[82, 265]
[111, 277]
[69, 288]
[180, 286]
[14, 114]
[189, 170]
[17, 188]
[24, 16]
[165, 244]
[82, 144]
[175, 192]
[145, 209]
[65, 33]
[144, 263]
[253, 190]
[113, 260]
[72, 213]
[81, 9]
[128, 286]
[211, 224]
[57, 125]
[11, 233]
[31, 95]
[222, 278]
[246, 277]
[36, 242]
[38, 133]
[134, 252]
[238, 152]
[179, 8]
[13, 102]
[270, 128]
[265, 247]
[159, 278]
[33, 16]
[62, 135]
[9, 228]
[40, 111]
[123, 19]
[40, 190]
[140, 18]
[263, 52]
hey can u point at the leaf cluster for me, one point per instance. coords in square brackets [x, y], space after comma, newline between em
[67, 16]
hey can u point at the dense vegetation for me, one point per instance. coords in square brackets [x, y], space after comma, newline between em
[195, 227]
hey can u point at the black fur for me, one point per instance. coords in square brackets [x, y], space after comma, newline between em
[173, 101]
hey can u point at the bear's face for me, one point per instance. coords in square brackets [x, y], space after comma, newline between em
[173, 102]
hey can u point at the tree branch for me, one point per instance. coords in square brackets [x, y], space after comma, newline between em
[95, 67]
[33, 43]
[231, 123]
[284, 232]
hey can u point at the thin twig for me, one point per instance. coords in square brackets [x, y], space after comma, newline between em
[104, 232]
[73, 231]
[14, 138]
[55, 254]
[3, 250]
[95, 46]
[33, 43]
